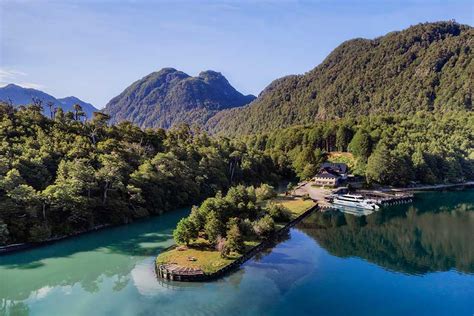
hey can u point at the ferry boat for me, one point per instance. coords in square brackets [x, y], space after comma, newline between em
[353, 200]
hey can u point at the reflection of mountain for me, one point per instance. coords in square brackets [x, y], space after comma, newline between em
[434, 234]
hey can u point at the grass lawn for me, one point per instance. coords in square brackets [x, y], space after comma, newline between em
[296, 206]
[207, 259]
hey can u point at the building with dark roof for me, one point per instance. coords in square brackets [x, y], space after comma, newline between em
[331, 174]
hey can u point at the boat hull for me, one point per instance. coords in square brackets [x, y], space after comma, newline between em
[355, 204]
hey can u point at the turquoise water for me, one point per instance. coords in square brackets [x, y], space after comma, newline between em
[407, 260]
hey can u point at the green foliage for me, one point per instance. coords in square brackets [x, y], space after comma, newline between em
[264, 227]
[234, 241]
[184, 232]
[265, 192]
[213, 227]
[425, 147]
[72, 175]
[427, 67]
[278, 212]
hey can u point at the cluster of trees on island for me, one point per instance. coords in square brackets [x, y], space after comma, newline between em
[60, 175]
[391, 149]
[225, 221]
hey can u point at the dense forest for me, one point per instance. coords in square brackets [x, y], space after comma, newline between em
[427, 67]
[60, 175]
[388, 149]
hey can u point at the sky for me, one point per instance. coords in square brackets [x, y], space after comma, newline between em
[95, 49]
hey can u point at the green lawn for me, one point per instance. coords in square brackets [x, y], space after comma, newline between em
[208, 259]
[296, 206]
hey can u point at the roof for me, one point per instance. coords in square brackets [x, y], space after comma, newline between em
[328, 174]
[338, 167]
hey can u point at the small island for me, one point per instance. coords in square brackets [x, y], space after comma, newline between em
[226, 230]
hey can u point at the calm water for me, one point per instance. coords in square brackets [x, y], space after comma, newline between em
[405, 260]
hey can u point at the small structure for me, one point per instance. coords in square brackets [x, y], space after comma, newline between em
[331, 174]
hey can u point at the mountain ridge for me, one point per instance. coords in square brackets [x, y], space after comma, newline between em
[426, 67]
[19, 95]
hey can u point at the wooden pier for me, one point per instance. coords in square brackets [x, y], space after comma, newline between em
[386, 199]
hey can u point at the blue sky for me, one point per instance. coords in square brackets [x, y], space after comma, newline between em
[95, 49]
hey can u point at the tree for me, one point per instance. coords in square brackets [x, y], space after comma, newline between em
[265, 192]
[111, 174]
[185, 231]
[213, 227]
[360, 144]
[234, 241]
[78, 112]
[278, 212]
[386, 168]
[264, 227]
[343, 137]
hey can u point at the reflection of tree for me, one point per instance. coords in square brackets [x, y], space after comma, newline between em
[86, 259]
[14, 308]
[270, 245]
[414, 239]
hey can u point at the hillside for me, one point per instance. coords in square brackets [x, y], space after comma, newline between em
[169, 96]
[24, 96]
[426, 67]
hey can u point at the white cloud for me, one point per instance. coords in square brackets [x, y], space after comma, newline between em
[8, 76]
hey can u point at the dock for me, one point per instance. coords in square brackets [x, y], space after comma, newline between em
[386, 198]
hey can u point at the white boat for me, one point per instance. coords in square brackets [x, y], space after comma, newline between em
[353, 200]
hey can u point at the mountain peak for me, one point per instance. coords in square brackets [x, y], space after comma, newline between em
[24, 96]
[170, 96]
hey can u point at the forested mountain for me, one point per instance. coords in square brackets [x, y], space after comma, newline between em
[426, 67]
[24, 96]
[167, 97]
[63, 175]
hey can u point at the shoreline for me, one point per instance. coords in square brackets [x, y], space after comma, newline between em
[12, 248]
[433, 187]
[163, 274]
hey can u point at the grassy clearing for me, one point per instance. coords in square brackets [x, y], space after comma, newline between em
[207, 258]
[296, 206]
[342, 157]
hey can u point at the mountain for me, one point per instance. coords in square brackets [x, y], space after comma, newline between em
[24, 96]
[68, 103]
[169, 96]
[427, 67]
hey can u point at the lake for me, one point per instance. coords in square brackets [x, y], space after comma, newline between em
[413, 259]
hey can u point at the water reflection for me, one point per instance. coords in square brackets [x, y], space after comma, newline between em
[431, 235]
[111, 272]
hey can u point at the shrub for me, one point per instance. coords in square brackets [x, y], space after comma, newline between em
[265, 192]
[264, 227]
[278, 212]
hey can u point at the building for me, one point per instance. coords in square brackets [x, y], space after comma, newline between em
[331, 174]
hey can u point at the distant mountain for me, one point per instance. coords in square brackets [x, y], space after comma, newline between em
[24, 96]
[68, 103]
[169, 96]
[427, 67]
